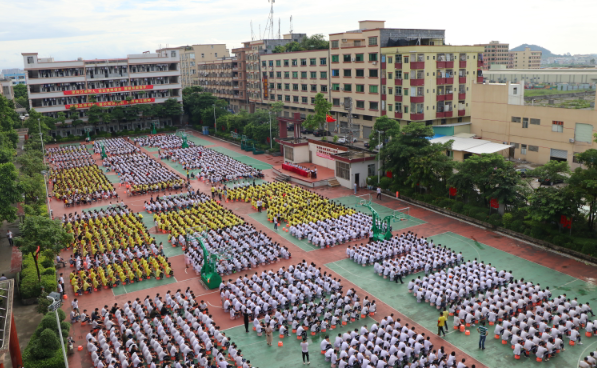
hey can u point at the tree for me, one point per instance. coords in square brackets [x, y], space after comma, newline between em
[31, 162]
[42, 232]
[584, 182]
[7, 150]
[194, 104]
[276, 107]
[322, 108]
[62, 118]
[398, 152]
[315, 42]
[431, 167]
[551, 172]
[389, 127]
[10, 192]
[171, 109]
[21, 96]
[193, 89]
[548, 204]
[207, 114]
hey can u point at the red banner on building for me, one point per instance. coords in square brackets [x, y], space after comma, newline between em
[107, 90]
[87, 105]
[265, 88]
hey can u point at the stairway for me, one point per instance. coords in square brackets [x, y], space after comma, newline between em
[282, 178]
[333, 182]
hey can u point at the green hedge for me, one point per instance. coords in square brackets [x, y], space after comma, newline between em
[44, 350]
[123, 133]
[29, 286]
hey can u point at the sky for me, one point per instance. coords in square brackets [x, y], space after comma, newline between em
[68, 29]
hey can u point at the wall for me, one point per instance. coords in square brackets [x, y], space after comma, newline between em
[330, 164]
[362, 169]
[301, 154]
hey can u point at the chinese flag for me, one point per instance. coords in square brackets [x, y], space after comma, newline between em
[453, 191]
[494, 203]
[329, 119]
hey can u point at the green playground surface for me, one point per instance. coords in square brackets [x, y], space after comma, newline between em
[255, 349]
[303, 244]
[142, 285]
[260, 165]
[151, 149]
[169, 250]
[113, 178]
[383, 211]
[199, 141]
[496, 354]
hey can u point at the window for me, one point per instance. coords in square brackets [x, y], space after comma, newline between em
[287, 98]
[314, 88]
[360, 73]
[390, 90]
[173, 54]
[534, 148]
[335, 87]
[360, 104]
[264, 63]
[278, 63]
[304, 100]
[271, 86]
[271, 74]
[303, 62]
[335, 44]
[313, 61]
[335, 72]
[286, 74]
[286, 86]
[278, 74]
[336, 102]
[30, 59]
[516, 119]
[371, 170]
[286, 62]
[289, 153]
[372, 89]
[406, 60]
[367, 117]
[398, 106]
[295, 99]
[583, 133]
[372, 41]
[405, 90]
[348, 87]
[295, 87]
[346, 58]
[323, 61]
[312, 100]
[279, 86]
[294, 62]
[406, 109]
[347, 73]
[335, 58]
[373, 106]
[313, 75]
[271, 63]
[373, 73]
[324, 75]
[360, 88]
[390, 107]
[295, 75]
[304, 87]
[535, 121]
[324, 88]
[389, 75]
[523, 149]
[342, 170]
[557, 126]
[373, 57]
[525, 122]
[514, 91]
[359, 57]
[303, 75]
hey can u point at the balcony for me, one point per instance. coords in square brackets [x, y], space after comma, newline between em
[420, 116]
[462, 96]
[398, 115]
[440, 64]
[462, 64]
[439, 114]
[461, 112]
[398, 82]
[448, 96]
[383, 81]
[398, 98]
[398, 65]
[440, 97]
[417, 82]
[440, 81]
[461, 80]
[480, 79]
[449, 80]
[449, 64]
[417, 65]
[417, 99]
[383, 65]
[448, 114]
[383, 97]
[479, 63]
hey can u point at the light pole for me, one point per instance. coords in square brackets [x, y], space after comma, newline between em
[215, 121]
[379, 132]
[270, 130]
[55, 298]
[44, 172]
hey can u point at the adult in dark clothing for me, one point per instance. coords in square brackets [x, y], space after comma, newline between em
[246, 318]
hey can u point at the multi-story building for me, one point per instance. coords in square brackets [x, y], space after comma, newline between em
[17, 76]
[224, 79]
[526, 59]
[495, 53]
[6, 88]
[295, 78]
[553, 76]
[192, 55]
[358, 72]
[73, 87]
[536, 134]
[430, 83]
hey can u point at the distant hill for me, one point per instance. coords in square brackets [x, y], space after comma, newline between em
[545, 52]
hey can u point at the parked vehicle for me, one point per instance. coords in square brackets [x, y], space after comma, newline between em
[321, 133]
[522, 172]
[346, 140]
[306, 131]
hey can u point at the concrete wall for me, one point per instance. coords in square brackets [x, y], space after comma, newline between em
[330, 164]
[360, 168]
[301, 154]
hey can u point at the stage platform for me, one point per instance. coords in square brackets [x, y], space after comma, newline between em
[323, 175]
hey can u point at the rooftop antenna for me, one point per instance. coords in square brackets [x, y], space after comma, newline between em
[279, 23]
[291, 24]
[270, 22]
[252, 33]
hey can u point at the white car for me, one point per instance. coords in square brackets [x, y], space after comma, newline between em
[345, 140]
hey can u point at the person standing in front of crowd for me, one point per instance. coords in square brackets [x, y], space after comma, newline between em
[305, 350]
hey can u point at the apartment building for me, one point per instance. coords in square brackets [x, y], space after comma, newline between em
[495, 53]
[430, 83]
[295, 78]
[17, 76]
[192, 55]
[526, 59]
[224, 79]
[6, 88]
[68, 86]
[358, 72]
[536, 134]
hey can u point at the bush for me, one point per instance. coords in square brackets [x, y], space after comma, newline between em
[55, 361]
[30, 287]
[44, 350]
[507, 220]
[457, 206]
[495, 219]
[446, 203]
[47, 262]
[385, 183]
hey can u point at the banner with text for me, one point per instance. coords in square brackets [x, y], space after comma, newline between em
[110, 103]
[108, 90]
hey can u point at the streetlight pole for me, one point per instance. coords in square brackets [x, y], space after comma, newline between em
[55, 298]
[44, 172]
[270, 130]
[41, 138]
[378, 156]
[215, 121]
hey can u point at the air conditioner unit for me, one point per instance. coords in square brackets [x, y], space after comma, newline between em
[341, 88]
[571, 140]
[375, 63]
[353, 59]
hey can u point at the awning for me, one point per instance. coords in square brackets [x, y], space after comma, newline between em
[488, 148]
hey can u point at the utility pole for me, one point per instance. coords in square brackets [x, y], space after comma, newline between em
[55, 298]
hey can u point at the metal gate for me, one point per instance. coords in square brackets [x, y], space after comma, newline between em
[559, 154]
[367, 132]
